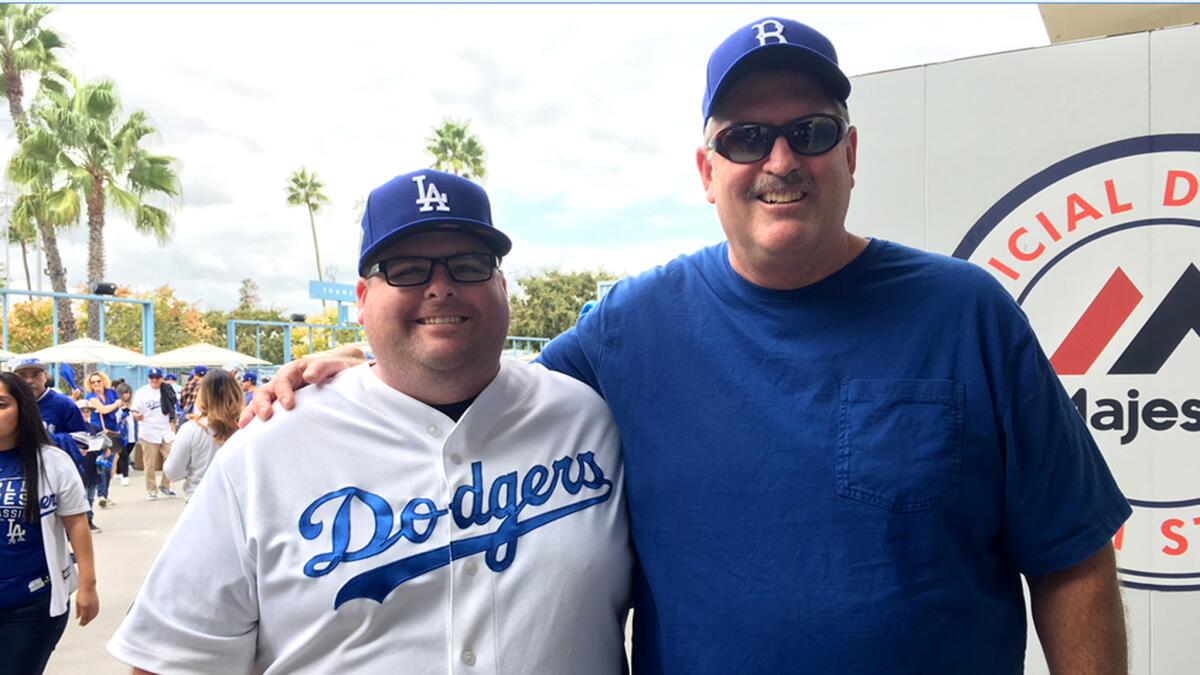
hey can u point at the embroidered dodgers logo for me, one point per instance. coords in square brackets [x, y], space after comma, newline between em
[428, 197]
[506, 499]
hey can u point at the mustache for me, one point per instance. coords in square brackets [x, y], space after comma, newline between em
[793, 182]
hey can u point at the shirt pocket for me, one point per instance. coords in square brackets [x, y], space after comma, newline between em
[900, 443]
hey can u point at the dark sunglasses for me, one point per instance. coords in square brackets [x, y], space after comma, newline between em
[465, 268]
[810, 135]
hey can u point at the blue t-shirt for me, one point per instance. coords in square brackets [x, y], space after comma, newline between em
[849, 477]
[23, 571]
[109, 419]
[62, 418]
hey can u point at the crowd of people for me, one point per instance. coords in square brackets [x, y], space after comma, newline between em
[61, 452]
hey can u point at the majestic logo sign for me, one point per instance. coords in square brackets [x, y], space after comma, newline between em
[428, 197]
[1102, 251]
[768, 29]
[505, 500]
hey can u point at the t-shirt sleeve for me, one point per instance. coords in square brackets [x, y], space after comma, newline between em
[1061, 503]
[138, 402]
[66, 483]
[197, 611]
[577, 352]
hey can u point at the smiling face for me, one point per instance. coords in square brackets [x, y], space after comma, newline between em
[443, 331]
[785, 205]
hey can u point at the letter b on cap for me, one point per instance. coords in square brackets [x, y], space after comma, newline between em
[769, 29]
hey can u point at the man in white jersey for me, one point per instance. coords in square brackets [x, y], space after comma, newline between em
[439, 510]
[156, 432]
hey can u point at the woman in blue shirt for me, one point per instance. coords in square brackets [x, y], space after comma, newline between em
[42, 508]
[105, 403]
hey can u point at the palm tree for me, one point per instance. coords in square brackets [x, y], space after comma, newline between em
[101, 159]
[457, 150]
[22, 230]
[46, 207]
[305, 188]
[28, 47]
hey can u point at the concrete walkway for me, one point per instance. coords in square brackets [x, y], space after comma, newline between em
[134, 531]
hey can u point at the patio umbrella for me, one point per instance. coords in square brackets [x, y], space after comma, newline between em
[87, 350]
[203, 354]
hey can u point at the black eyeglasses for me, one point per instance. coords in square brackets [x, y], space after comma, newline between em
[465, 268]
[809, 135]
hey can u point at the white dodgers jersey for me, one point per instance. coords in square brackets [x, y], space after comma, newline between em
[366, 532]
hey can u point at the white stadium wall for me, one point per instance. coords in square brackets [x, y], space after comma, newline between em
[1071, 173]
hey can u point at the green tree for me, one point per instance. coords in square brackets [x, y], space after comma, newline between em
[29, 325]
[549, 301]
[270, 338]
[306, 188]
[177, 322]
[102, 159]
[322, 339]
[47, 204]
[456, 150]
[23, 232]
[29, 48]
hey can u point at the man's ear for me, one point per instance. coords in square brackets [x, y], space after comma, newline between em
[360, 292]
[705, 167]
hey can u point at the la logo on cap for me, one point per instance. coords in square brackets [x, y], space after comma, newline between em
[428, 197]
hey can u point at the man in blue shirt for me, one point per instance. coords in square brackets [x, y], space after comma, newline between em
[59, 412]
[842, 454]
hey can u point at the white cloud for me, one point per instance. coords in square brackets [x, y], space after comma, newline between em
[589, 112]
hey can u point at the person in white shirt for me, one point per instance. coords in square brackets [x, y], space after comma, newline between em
[442, 510]
[218, 406]
[155, 432]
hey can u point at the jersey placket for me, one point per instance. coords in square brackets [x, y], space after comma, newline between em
[472, 591]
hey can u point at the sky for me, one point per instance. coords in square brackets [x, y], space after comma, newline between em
[590, 115]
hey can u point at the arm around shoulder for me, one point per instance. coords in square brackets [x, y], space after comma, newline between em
[1079, 617]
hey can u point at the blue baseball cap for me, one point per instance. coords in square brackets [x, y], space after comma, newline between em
[154, 372]
[171, 377]
[773, 43]
[23, 362]
[427, 201]
[199, 371]
[250, 376]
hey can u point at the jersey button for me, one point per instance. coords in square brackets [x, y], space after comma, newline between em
[468, 657]
[433, 430]
[471, 568]
[456, 458]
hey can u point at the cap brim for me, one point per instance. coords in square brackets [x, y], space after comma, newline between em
[496, 240]
[785, 57]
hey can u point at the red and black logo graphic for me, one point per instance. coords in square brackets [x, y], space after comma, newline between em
[1176, 316]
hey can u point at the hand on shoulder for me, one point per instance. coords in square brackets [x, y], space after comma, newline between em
[297, 375]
